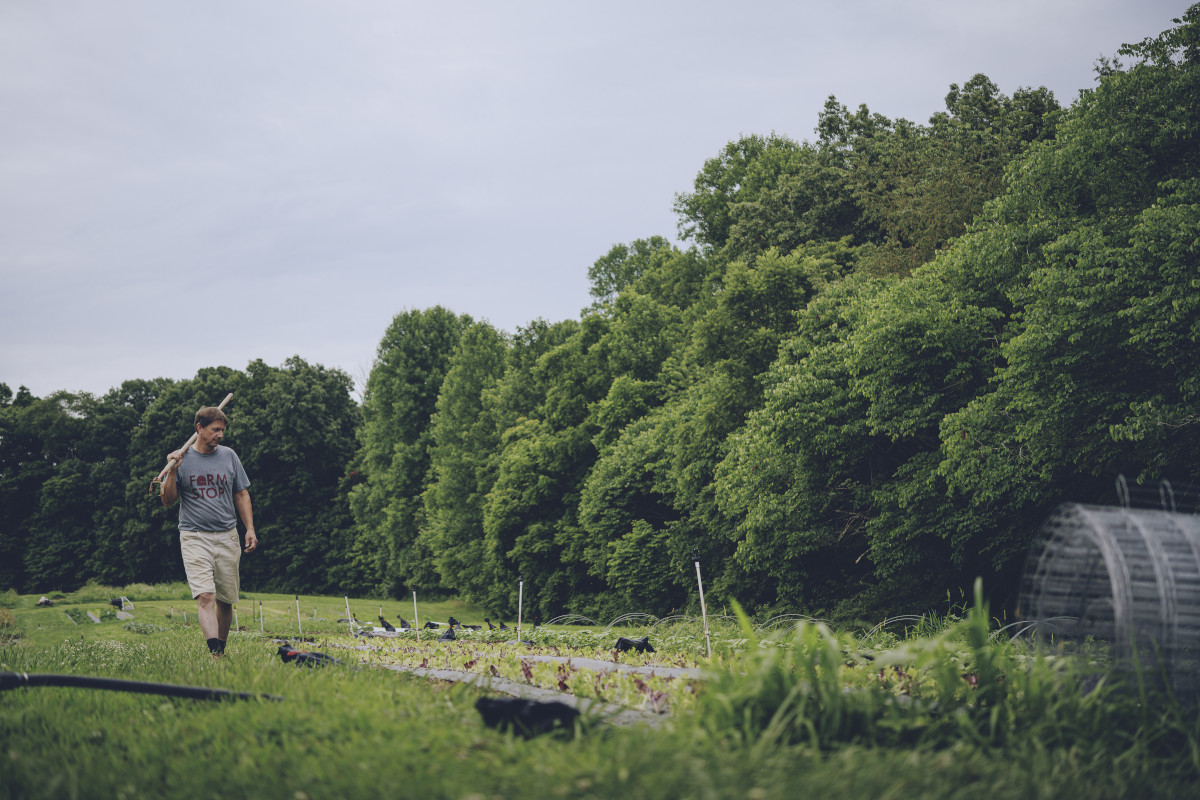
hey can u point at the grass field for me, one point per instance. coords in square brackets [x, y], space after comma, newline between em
[941, 709]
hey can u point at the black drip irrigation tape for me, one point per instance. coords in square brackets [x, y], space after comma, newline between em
[15, 680]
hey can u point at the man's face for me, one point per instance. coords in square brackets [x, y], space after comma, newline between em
[208, 438]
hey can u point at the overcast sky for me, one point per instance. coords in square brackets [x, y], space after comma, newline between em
[190, 184]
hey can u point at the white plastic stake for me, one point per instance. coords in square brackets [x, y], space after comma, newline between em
[260, 617]
[349, 618]
[520, 598]
[235, 622]
[416, 618]
[703, 608]
[299, 628]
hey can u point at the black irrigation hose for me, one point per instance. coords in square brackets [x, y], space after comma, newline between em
[13, 680]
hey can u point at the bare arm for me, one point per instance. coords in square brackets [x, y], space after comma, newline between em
[241, 501]
[170, 489]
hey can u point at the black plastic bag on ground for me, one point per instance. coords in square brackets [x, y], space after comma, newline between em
[642, 645]
[526, 718]
[291, 655]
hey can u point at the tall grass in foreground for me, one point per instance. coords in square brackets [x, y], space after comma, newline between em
[950, 714]
[960, 687]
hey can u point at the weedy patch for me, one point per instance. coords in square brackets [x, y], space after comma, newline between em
[82, 616]
[8, 626]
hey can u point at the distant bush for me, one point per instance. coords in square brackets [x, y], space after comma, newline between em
[93, 592]
[177, 590]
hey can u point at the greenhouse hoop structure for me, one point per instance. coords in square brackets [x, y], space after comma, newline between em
[1126, 579]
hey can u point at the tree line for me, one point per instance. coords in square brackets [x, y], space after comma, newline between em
[876, 362]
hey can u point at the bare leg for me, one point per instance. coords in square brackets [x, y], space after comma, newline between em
[224, 619]
[206, 609]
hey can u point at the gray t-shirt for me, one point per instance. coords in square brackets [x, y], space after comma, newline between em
[207, 484]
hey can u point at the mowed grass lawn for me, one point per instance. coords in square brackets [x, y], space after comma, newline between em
[361, 731]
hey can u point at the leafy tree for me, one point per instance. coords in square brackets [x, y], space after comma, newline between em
[796, 481]
[37, 436]
[623, 265]
[660, 470]
[78, 469]
[621, 497]
[921, 185]
[108, 449]
[742, 169]
[62, 478]
[772, 192]
[60, 532]
[464, 443]
[294, 427]
[148, 541]
[511, 409]
[23, 470]
[531, 511]
[1098, 231]
[808, 200]
[625, 508]
[401, 395]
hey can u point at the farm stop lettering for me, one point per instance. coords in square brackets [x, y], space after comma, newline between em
[208, 485]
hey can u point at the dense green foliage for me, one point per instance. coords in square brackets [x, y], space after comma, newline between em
[882, 357]
[77, 470]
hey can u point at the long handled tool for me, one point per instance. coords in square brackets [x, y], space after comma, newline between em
[157, 482]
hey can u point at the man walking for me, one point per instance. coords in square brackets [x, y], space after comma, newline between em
[213, 490]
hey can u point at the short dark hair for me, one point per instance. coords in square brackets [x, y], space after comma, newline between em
[210, 414]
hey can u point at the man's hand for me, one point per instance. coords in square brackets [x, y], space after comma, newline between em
[241, 501]
[175, 459]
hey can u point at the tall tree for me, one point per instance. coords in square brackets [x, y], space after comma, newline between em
[737, 174]
[401, 395]
[23, 470]
[294, 427]
[1093, 252]
[920, 185]
[464, 444]
[531, 515]
[148, 541]
[38, 436]
[113, 423]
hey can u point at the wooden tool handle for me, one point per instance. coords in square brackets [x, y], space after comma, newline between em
[191, 441]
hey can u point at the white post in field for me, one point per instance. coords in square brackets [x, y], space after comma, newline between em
[520, 599]
[703, 607]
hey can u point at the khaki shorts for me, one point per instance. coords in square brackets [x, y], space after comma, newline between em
[211, 560]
